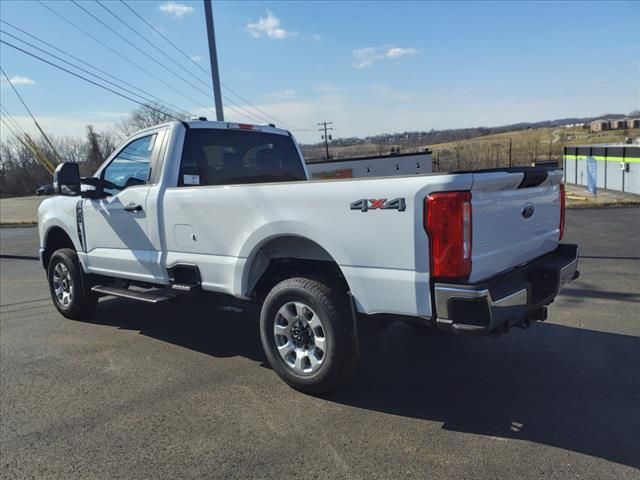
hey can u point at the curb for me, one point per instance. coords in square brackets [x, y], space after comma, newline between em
[621, 204]
[18, 224]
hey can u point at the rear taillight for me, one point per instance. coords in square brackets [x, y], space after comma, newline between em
[562, 208]
[447, 221]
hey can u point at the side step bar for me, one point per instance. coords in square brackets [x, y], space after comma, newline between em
[153, 296]
[183, 287]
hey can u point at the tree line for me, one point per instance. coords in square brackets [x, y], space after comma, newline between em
[21, 173]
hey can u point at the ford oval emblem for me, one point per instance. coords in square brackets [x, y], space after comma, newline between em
[527, 210]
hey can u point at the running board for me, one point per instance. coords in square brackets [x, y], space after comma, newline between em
[153, 296]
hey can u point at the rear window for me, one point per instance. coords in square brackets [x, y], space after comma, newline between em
[224, 157]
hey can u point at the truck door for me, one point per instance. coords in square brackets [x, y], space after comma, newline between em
[117, 226]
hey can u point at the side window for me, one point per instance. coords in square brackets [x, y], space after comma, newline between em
[131, 166]
[226, 157]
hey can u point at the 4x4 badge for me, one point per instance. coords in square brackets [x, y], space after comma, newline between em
[365, 204]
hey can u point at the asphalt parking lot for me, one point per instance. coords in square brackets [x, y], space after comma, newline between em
[183, 390]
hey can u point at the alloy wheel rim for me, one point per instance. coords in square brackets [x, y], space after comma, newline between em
[62, 285]
[300, 337]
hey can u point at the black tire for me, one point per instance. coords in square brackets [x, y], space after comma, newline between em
[82, 302]
[330, 307]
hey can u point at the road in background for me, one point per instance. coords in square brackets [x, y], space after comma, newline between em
[20, 209]
[183, 391]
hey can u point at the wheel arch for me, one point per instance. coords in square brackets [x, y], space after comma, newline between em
[284, 255]
[55, 238]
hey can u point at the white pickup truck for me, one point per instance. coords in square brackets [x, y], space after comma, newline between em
[196, 206]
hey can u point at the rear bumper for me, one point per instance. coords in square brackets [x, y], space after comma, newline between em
[515, 298]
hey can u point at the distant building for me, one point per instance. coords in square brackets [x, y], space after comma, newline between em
[617, 166]
[618, 124]
[633, 123]
[600, 125]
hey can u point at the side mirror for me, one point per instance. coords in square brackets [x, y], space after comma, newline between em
[66, 179]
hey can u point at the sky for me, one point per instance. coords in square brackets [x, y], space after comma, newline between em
[369, 67]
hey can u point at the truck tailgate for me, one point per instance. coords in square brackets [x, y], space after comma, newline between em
[515, 219]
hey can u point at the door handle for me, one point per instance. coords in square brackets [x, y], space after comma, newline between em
[133, 207]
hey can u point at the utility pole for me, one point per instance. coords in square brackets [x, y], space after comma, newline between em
[326, 137]
[509, 152]
[213, 58]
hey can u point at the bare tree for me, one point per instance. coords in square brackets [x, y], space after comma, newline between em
[144, 117]
[20, 172]
[458, 152]
[532, 147]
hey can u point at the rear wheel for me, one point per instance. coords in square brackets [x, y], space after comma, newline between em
[67, 286]
[307, 335]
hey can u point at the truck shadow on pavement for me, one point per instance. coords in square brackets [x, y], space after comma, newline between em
[565, 387]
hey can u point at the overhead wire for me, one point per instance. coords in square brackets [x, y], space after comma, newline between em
[93, 37]
[177, 114]
[152, 75]
[156, 99]
[86, 79]
[155, 47]
[26, 141]
[178, 49]
[16, 125]
[129, 42]
[206, 93]
[24, 104]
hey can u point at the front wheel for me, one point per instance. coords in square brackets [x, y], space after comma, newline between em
[68, 291]
[307, 335]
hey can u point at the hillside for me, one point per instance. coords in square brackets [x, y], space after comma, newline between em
[478, 148]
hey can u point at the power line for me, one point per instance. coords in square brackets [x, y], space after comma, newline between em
[86, 79]
[259, 109]
[138, 48]
[149, 42]
[251, 115]
[165, 38]
[120, 54]
[62, 17]
[44, 135]
[27, 142]
[147, 100]
[32, 147]
[157, 100]
[9, 127]
[13, 120]
[203, 69]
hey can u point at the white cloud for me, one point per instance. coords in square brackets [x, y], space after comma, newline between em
[196, 58]
[176, 9]
[269, 26]
[365, 57]
[317, 37]
[18, 80]
[282, 94]
[400, 52]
